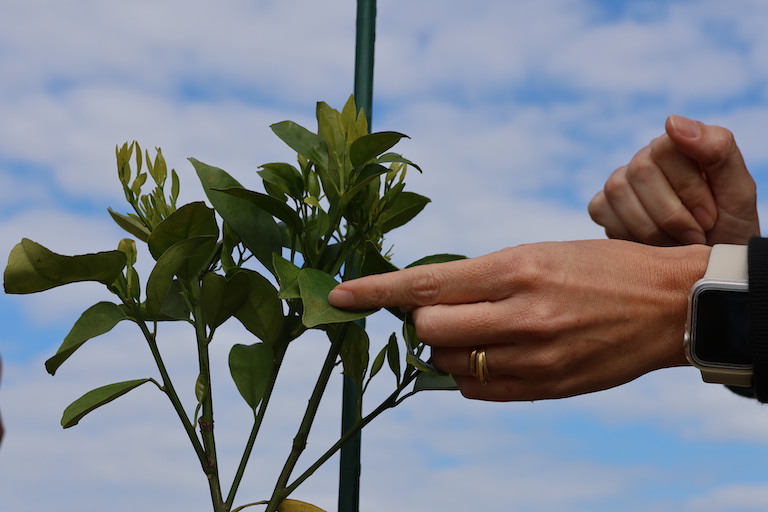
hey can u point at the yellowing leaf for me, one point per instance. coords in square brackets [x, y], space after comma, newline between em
[297, 506]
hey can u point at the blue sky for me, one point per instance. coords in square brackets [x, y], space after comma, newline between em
[517, 113]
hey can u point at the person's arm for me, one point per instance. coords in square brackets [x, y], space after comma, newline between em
[555, 319]
[690, 185]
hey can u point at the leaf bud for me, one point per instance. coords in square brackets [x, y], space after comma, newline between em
[128, 247]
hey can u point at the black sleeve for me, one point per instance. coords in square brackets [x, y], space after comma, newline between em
[758, 308]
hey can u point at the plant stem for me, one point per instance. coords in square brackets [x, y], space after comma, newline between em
[210, 465]
[258, 420]
[300, 440]
[287, 335]
[169, 389]
[390, 402]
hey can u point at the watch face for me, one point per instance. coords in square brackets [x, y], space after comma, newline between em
[720, 330]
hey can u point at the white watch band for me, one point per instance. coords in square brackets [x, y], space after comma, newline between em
[728, 262]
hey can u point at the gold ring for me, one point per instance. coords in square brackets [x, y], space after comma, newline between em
[478, 366]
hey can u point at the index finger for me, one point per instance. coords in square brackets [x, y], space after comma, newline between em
[686, 178]
[454, 282]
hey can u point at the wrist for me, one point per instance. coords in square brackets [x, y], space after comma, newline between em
[681, 268]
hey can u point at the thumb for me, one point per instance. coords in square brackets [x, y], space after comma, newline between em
[714, 148]
[732, 187]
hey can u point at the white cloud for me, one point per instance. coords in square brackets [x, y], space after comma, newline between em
[671, 57]
[693, 410]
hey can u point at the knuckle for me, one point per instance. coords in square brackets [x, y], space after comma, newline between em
[660, 146]
[425, 288]
[547, 364]
[616, 185]
[720, 146]
[527, 273]
[640, 170]
[538, 319]
[380, 295]
[427, 330]
[675, 219]
[597, 208]
[723, 142]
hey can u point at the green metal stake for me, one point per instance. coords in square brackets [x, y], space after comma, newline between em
[351, 411]
[366, 37]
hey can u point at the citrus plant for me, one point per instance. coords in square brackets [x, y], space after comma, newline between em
[265, 258]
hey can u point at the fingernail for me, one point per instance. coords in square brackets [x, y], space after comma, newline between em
[341, 298]
[685, 127]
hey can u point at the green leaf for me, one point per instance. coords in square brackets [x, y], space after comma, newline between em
[256, 228]
[406, 207]
[95, 321]
[229, 241]
[378, 362]
[332, 257]
[138, 183]
[393, 356]
[189, 221]
[221, 297]
[303, 141]
[367, 175]
[33, 268]
[269, 204]
[288, 277]
[330, 128]
[355, 122]
[354, 350]
[411, 357]
[95, 399]
[173, 307]
[374, 262]
[201, 389]
[437, 258]
[368, 147]
[389, 158]
[313, 185]
[250, 367]
[262, 312]
[186, 260]
[175, 187]
[131, 223]
[431, 381]
[414, 360]
[284, 177]
[158, 170]
[315, 285]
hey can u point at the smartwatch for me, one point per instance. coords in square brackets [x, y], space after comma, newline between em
[717, 336]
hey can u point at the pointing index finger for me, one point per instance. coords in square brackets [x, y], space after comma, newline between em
[426, 285]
